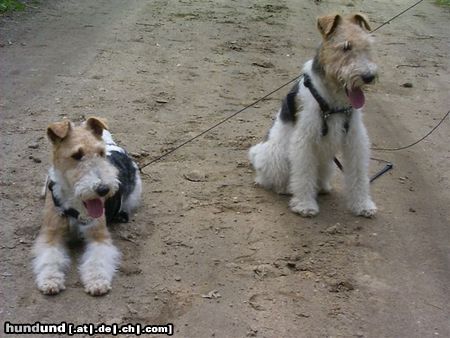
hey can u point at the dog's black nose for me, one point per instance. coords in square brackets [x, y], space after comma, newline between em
[368, 77]
[102, 190]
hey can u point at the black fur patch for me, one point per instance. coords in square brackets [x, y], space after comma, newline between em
[127, 182]
[289, 106]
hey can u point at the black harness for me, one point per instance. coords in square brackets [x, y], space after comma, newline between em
[325, 108]
[70, 212]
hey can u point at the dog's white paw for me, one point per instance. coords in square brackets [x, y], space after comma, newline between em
[97, 287]
[304, 208]
[367, 209]
[51, 286]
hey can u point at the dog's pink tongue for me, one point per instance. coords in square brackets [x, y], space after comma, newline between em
[356, 97]
[94, 207]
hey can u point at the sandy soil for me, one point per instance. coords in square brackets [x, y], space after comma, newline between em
[160, 72]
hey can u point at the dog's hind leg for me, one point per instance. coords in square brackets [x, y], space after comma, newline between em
[270, 159]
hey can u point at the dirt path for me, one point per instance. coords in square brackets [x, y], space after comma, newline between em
[163, 71]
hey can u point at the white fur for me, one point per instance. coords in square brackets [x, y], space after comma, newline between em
[110, 144]
[107, 137]
[95, 172]
[49, 264]
[98, 265]
[297, 159]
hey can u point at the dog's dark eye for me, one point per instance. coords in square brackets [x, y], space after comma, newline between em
[78, 155]
[347, 46]
[101, 153]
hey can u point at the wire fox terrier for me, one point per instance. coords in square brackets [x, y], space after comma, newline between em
[92, 181]
[320, 116]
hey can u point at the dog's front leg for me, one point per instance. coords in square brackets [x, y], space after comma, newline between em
[303, 177]
[50, 255]
[100, 260]
[356, 165]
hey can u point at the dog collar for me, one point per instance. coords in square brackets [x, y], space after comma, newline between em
[70, 212]
[325, 108]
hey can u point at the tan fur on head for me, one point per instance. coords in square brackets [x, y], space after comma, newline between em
[71, 143]
[361, 20]
[345, 53]
[328, 23]
[57, 131]
[97, 125]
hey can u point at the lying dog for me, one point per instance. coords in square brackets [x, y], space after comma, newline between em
[92, 181]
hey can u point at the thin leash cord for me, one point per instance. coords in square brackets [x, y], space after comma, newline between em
[415, 142]
[269, 94]
[217, 124]
[396, 16]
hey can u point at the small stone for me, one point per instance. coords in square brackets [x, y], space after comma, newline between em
[161, 101]
[304, 315]
[291, 265]
[195, 176]
[342, 286]
[252, 333]
[35, 159]
[264, 64]
[214, 294]
[332, 230]
[407, 85]
[178, 278]
[412, 210]
[33, 145]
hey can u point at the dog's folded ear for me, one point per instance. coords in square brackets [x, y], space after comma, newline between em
[327, 24]
[96, 125]
[361, 20]
[57, 131]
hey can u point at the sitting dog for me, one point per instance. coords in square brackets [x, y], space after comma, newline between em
[92, 181]
[320, 116]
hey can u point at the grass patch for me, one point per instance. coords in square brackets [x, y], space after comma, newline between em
[443, 2]
[11, 5]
